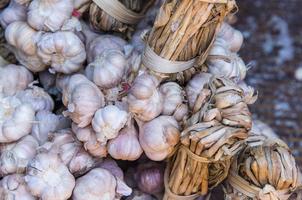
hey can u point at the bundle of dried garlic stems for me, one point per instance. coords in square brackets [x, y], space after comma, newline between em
[215, 132]
[182, 35]
[264, 170]
[117, 15]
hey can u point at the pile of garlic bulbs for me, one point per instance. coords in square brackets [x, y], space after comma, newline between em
[78, 106]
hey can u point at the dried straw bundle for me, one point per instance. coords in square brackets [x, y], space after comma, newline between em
[182, 35]
[214, 134]
[264, 170]
[117, 15]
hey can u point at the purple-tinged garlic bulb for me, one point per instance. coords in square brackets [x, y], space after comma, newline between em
[126, 145]
[231, 36]
[62, 50]
[48, 178]
[16, 119]
[144, 98]
[108, 121]
[49, 15]
[159, 136]
[14, 78]
[14, 12]
[16, 156]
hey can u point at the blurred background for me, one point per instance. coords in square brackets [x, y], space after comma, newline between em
[273, 49]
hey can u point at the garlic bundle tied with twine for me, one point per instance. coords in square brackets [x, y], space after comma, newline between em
[182, 35]
[117, 15]
[264, 170]
[219, 122]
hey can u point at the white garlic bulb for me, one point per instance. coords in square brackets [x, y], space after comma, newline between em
[159, 137]
[14, 12]
[231, 36]
[195, 86]
[14, 187]
[96, 46]
[63, 50]
[126, 145]
[15, 156]
[22, 39]
[16, 119]
[70, 151]
[37, 98]
[48, 178]
[108, 69]
[222, 62]
[88, 136]
[49, 15]
[88, 186]
[47, 122]
[108, 121]
[174, 102]
[144, 98]
[14, 78]
[82, 99]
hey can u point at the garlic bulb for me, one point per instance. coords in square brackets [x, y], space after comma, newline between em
[138, 195]
[14, 12]
[108, 69]
[231, 36]
[37, 98]
[173, 104]
[14, 78]
[70, 151]
[96, 46]
[88, 136]
[144, 99]
[195, 86]
[126, 145]
[222, 62]
[63, 50]
[47, 122]
[14, 187]
[48, 178]
[122, 189]
[22, 39]
[150, 177]
[16, 119]
[159, 136]
[15, 156]
[108, 121]
[49, 15]
[82, 98]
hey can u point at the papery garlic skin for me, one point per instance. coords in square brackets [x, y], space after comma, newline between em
[37, 98]
[14, 12]
[173, 103]
[231, 36]
[49, 15]
[14, 187]
[47, 122]
[261, 128]
[22, 39]
[108, 121]
[108, 69]
[82, 99]
[159, 136]
[63, 50]
[222, 62]
[88, 136]
[97, 46]
[14, 78]
[126, 145]
[98, 184]
[70, 151]
[16, 119]
[48, 178]
[15, 156]
[144, 99]
[195, 85]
